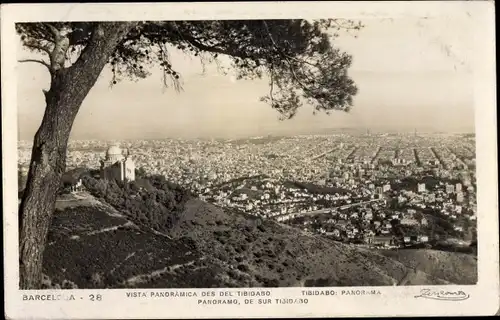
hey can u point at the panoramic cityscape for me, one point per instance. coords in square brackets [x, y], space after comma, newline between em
[380, 190]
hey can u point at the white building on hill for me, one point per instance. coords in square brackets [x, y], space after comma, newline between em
[117, 165]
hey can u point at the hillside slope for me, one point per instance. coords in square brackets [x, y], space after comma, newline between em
[93, 246]
[456, 267]
[90, 245]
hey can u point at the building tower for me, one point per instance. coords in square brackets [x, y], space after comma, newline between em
[117, 165]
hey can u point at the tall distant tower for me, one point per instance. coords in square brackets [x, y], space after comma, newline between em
[415, 132]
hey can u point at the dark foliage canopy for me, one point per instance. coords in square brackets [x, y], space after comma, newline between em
[296, 56]
[156, 207]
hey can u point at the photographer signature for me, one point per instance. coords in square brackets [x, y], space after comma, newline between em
[444, 295]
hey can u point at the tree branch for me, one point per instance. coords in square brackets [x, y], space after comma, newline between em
[294, 75]
[213, 49]
[343, 26]
[54, 30]
[36, 61]
[38, 46]
[271, 78]
[269, 34]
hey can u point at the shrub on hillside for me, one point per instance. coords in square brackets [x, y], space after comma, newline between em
[243, 267]
[270, 283]
[153, 201]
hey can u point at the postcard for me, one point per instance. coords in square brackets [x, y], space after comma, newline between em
[249, 159]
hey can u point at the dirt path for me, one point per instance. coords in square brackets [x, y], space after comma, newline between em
[143, 278]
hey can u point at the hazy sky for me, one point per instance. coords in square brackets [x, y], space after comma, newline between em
[411, 73]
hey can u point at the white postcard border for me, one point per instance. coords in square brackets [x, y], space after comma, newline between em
[484, 297]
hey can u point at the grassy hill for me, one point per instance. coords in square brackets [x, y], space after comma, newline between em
[91, 245]
[440, 264]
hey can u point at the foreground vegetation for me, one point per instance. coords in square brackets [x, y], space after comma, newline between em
[151, 202]
[153, 234]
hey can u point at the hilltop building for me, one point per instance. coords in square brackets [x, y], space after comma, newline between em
[117, 165]
[450, 188]
[421, 187]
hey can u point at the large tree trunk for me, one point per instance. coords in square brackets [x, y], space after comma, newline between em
[68, 89]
